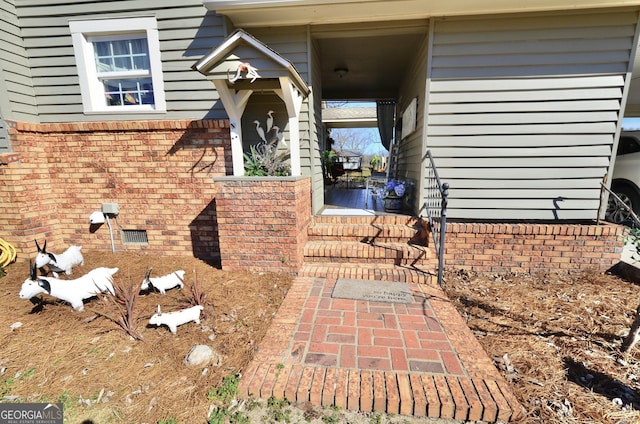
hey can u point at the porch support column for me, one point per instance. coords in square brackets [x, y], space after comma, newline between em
[234, 104]
[293, 101]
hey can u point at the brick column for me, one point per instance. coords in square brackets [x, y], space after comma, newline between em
[262, 222]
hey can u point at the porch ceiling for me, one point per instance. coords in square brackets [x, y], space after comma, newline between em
[375, 65]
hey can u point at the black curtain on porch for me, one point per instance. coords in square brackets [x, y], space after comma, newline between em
[385, 112]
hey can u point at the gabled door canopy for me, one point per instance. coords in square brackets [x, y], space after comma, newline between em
[242, 65]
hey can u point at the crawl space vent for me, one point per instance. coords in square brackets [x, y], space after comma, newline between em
[134, 237]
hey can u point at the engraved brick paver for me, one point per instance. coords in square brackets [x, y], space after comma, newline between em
[416, 358]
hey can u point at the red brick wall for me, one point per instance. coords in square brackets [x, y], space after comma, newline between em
[532, 247]
[263, 222]
[159, 172]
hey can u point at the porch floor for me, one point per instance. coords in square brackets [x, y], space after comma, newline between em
[415, 359]
[352, 195]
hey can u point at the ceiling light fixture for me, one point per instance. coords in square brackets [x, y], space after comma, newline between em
[341, 72]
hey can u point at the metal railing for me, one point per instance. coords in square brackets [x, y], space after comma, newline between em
[435, 204]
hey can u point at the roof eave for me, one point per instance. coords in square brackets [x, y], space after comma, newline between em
[251, 13]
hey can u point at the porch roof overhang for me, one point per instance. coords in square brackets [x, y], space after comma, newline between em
[211, 63]
[350, 117]
[251, 13]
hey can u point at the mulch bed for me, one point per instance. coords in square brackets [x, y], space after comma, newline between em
[52, 353]
[556, 338]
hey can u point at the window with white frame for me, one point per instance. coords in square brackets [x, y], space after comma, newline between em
[119, 65]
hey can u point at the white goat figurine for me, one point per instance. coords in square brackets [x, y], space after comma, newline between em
[176, 318]
[62, 262]
[96, 281]
[164, 283]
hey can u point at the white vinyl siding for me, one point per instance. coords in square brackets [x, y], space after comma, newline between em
[523, 112]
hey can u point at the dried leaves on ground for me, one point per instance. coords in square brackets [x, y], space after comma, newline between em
[556, 338]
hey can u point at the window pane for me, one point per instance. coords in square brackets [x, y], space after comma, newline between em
[122, 64]
[141, 62]
[102, 49]
[104, 64]
[125, 92]
[139, 46]
[122, 55]
[120, 48]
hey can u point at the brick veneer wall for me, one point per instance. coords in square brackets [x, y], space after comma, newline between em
[159, 172]
[532, 247]
[263, 222]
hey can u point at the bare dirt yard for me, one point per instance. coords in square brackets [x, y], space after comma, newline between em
[555, 337]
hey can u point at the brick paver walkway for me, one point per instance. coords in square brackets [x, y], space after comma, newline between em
[416, 358]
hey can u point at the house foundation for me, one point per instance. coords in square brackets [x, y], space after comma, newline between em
[532, 247]
[171, 180]
[158, 172]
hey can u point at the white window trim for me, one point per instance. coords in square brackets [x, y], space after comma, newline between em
[92, 93]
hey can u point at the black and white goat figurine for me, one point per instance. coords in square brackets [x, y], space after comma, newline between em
[164, 283]
[96, 281]
[176, 318]
[62, 262]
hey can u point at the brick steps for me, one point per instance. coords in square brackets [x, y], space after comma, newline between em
[366, 220]
[380, 247]
[379, 272]
[420, 395]
[359, 232]
[402, 254]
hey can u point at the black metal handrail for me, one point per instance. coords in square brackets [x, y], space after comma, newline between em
[435, 204]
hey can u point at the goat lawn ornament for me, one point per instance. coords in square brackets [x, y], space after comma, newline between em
[176, 318]
[63, 262]
[164, 283]
[96, 281]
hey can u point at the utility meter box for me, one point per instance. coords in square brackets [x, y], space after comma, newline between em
[110, 208]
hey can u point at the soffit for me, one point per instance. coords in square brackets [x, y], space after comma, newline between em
[251, 13]
[350, 117]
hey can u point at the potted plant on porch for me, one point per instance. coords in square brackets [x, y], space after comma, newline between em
[396, 193]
